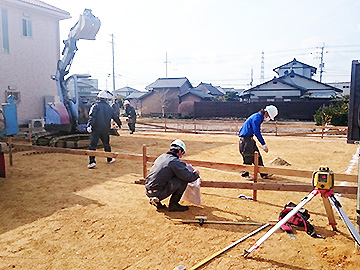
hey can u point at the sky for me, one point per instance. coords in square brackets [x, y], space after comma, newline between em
[228, 43]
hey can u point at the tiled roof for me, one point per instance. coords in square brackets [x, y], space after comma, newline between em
[168, 82]
[198, 93]
[44, 5]
[209, 88]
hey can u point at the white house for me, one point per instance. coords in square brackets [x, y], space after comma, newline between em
[29, 51]
[294, 83]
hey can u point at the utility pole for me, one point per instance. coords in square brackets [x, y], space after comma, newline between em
[166, 63]
[322, 61]
[262, 77]
[252, 79]
[113, 62]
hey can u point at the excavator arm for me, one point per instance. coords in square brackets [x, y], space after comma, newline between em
[63, 116]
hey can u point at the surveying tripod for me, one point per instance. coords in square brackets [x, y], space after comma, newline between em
[323, 181]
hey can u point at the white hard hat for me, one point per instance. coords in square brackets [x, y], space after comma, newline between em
[102, 94]
[272, 111]
[178, 143]
[126, 102]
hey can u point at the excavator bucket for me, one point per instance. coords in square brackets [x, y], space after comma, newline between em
[87, 26]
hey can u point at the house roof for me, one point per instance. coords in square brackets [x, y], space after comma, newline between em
[291, 63]
[168, 83]
[312, 92]
[42, 5]
[197, 92]
[136, 95]
[209, 88]
[128, 89]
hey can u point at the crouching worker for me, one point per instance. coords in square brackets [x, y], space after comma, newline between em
[169, 175]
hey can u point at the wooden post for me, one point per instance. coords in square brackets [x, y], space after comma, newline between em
[195, 126]
[10, 150]
[276, 133]
[30, 132]
[357, 247]
[165, 123]
[144, 161]
[256, 170]
[2, 159]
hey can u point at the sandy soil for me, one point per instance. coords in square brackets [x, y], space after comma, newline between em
[57, 214]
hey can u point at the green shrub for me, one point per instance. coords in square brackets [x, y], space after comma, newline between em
[335, 114]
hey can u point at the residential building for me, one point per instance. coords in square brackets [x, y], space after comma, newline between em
[345, 86]
[30, 49]
[125, 92]
[293, 84]
[163, 96]
[208, 88]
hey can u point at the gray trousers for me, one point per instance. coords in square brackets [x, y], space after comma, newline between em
[174, 186]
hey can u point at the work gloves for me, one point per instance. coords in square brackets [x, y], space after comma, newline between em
[89, 129]
[265, 148]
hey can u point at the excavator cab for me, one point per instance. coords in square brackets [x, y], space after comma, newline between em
[87, 26]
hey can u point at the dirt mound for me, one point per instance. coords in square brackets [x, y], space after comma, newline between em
[280, 161]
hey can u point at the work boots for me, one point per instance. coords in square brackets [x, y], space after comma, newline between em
[156, 202]
[174, 205]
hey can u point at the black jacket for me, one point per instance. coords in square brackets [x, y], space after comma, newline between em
[130, 112]
[100, 116]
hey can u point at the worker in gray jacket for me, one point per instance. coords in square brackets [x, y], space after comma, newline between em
[169, 175]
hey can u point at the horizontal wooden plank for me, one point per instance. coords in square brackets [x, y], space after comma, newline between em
[268, 186]
[196, 163]
[275, 186]
[78, 152]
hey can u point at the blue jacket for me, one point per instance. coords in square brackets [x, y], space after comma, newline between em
[251, 127]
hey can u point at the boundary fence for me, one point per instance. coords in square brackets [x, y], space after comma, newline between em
[302, 187]
[227, 127]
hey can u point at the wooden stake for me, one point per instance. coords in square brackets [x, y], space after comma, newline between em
[256, 170]
[30, 132]
[144, 161]
[10, 150]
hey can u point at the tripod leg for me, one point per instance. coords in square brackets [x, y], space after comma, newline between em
[355, 234]
[329, 212]
[282, 222]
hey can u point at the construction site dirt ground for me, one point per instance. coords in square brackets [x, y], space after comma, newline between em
[57, 214]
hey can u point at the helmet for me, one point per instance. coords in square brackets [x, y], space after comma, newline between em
[126, 102]
[272, 111]
[178, 144]
[102, 94]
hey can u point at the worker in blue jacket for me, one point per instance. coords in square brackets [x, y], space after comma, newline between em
[247, 144]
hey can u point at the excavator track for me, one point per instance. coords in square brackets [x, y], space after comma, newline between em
[75, 141]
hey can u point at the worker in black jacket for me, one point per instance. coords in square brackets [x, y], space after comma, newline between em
[169, 175]
[99, 125]
[131, 114]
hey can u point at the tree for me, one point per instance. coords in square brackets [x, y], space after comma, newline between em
[335, 114]
[231, 96]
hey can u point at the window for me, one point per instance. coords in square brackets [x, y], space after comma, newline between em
[26, 28]
[4, 30]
